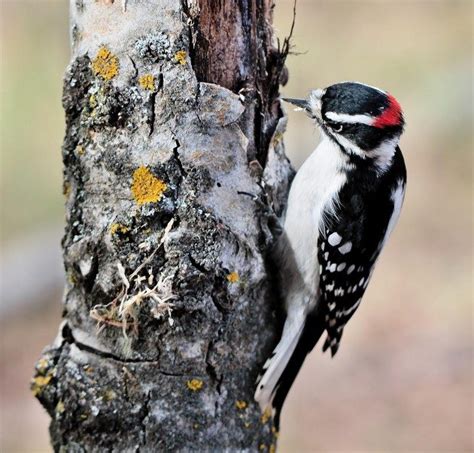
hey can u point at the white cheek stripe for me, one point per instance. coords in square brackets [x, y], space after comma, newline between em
[350, 119]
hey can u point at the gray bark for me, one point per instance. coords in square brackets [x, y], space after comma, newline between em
[169, 308]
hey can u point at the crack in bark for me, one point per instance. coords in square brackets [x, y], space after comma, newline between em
[151, 118]
[178, 159]
[68, 337]
[215, 378]
[146, 407]
[133, 65]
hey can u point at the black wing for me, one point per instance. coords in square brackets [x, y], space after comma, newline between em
[352, 239]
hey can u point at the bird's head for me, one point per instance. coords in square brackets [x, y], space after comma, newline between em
[364, 121]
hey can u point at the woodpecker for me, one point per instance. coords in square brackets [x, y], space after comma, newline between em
[342, 206]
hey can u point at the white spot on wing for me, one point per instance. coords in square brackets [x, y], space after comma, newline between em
[353, 308]
[351, 269]
[334, 239]
[345, 248]
[341, 267]
[330, 287]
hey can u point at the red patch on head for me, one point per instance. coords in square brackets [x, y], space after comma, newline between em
[391, 116]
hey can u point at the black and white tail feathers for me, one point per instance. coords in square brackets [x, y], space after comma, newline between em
[285, 362]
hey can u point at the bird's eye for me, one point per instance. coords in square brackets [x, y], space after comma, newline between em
[336, 127]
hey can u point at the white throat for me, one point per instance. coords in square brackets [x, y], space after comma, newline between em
[382, 155]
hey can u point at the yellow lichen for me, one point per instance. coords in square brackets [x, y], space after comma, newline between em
[195, 384]
[92, 101]
[233, 277]
[109, 395]
[71, 278]
[272, 448]
[66, 189]
[60, 407]
[147, 82]
[275, 432]
[262, 447]
[146, 187]
[180, 56]
[80, 150]
[42, 365]
[277, 137]
[105, 64]
[118, 228]
[247, 424]
[39, 383]
[266, 416]
[240, 404]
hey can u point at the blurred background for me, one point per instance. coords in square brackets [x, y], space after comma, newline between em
[402, 380]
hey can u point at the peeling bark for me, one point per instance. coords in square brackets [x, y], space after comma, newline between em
[169, 310]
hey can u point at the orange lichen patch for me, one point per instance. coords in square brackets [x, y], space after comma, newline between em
[180, 56]
[195, 384]
[39, 383]
[275, 432]
[266, 416]
[147, 82]
[146, 187]
[105, 64]
[240, 404]
[118, 228]
[233, 277]
[272, 448]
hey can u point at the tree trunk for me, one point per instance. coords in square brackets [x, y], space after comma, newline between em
[169, 312]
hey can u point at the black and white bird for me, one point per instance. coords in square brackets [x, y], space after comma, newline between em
[343, 204]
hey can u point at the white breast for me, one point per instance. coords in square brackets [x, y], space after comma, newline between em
[314, 188]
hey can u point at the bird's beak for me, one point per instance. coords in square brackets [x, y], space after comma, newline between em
[301, 103]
